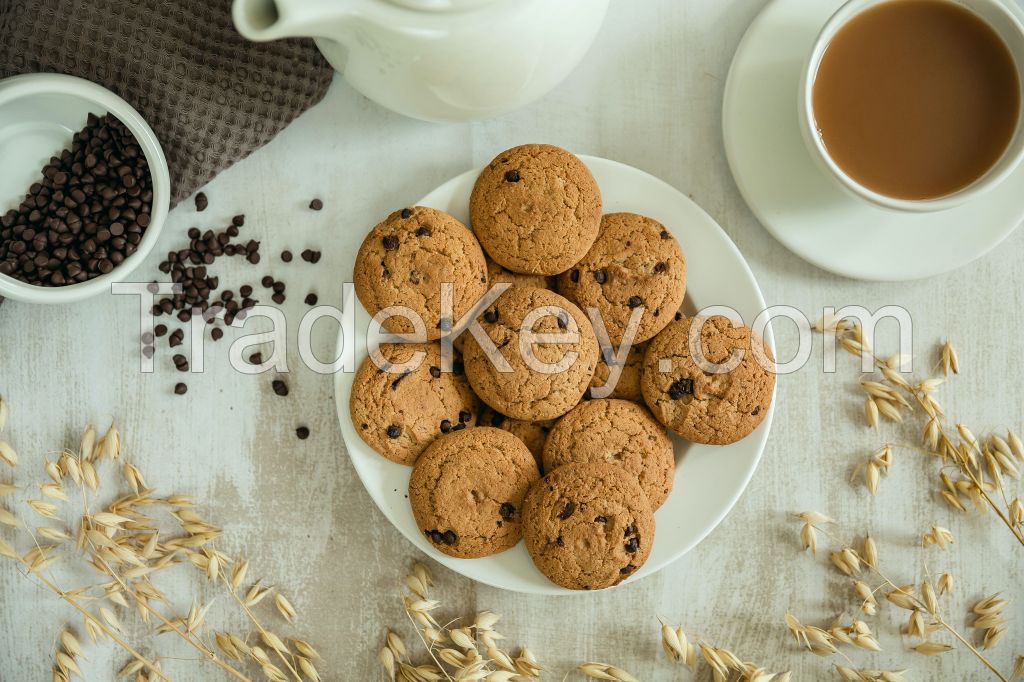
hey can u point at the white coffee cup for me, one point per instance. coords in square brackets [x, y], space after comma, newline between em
[1003, 21]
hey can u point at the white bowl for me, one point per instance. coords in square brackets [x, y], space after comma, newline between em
[39, 114]
[1006, 25]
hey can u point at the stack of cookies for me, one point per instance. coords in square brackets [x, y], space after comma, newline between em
[580, 369]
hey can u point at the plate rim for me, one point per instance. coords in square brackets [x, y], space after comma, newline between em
[760, 435]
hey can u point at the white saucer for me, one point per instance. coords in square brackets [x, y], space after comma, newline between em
[709, 479]
[800, 205]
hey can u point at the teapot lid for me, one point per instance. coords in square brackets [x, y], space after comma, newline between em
[441, 5]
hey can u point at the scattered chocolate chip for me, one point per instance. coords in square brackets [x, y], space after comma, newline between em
[491, 316]
[633, 545]
[238, 220]
[446, 426]
[176, 338]
[256, 359]
[267, 281]
[217, 333]
[394, 431]
[160, 330]
[601, 276]
[180, 388]
[679, 388]
[567, 511]
[506, 511]
[201, 202]
[280, 388]
[660, 267]
[278, 298]
[310, 299]
[635, 302]
[423, 231]
[600, 519]
[512, 176]
[435, 372]
[286, 256]
[316, 204]
[302, 433]
[406, 213]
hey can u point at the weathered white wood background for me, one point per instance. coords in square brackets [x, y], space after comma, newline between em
[649, 94]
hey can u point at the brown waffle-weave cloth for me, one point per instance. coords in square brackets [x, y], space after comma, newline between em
[211, 96]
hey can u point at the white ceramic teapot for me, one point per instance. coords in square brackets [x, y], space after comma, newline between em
[438, 60]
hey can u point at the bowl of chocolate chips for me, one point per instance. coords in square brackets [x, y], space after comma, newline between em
[84, 189]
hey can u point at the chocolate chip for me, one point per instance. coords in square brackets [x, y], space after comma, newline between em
[635, 302]
[176, 338]
[148, 351]
[180, 388]
[256, 359]
[310, 299]
[394, 431]
[238, 220]
[627, 569]
[756, 411]
[459, 427]
[147, 337]
[435, 372]
[567, 511]
[664, 234]
[512, 176]
[160, 329]
[423, 231]
[465, 415]
[390, 243]
[280, 388]
[267, 281]
[506, 511]
[628, 530]
[600, 519]
[601, 276]
[394, 384]
[574, 276]
[286, 256]
[217, 333]
[660, 267]
[434, 535]
[449, 537]
[632, 545]
[278, 298]
[678, 316]
[201, 202]
[316, 204]
[406, 213]
[679, 388]
[491, 316]
[559, 541]
[446, 426]
[302, 433]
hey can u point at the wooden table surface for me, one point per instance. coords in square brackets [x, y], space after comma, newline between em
[649, 95]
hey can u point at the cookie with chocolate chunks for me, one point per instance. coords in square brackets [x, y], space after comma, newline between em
[467, 491]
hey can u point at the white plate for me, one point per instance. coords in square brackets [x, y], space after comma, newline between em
[800, 205]
[708, 480]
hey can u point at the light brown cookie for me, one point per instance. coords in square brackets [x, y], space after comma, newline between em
[405, 260]
[400, 414]
[532, 391]
[635, 263]
[628, 385]
[536, 209]
[701, 406]
[497, 274]
[588, 526]
[618, 432]
[467, 491]
[533, 434]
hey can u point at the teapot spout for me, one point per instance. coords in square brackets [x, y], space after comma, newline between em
[262, 20]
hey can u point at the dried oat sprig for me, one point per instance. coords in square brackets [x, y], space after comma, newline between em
[604, 671]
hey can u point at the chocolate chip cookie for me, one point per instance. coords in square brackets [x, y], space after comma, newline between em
[635, 264]
[700, 403]
[536, 209]
[551, 377]
[628, 385]
[618, 432]
[533, 434]
[467, 491]
[405, 260]
[588, 526]
[497, 274]
[399, 413]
